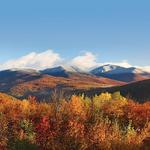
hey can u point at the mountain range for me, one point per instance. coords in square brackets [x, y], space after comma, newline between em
[114, 72]
[119, 73]
[24, 82]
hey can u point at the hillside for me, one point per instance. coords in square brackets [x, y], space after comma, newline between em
[123, 74]
[22, 83]
[139, 91]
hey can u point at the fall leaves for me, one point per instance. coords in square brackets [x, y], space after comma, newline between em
[107, 121]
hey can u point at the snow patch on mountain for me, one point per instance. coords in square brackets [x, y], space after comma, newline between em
[114, 69]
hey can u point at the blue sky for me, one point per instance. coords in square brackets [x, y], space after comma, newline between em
[113, 30]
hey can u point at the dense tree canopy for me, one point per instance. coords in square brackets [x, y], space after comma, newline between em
[108, 121]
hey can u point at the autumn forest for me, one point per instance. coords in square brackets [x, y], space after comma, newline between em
[104, 122]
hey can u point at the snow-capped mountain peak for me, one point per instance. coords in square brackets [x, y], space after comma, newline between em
[114, 69]
[61, 71]
[108, 67]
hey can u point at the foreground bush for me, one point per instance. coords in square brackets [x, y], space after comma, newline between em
[106, 122]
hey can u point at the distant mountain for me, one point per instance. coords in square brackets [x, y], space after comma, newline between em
[114, 69]
[24, 82]
[21, 83]
[115, 72]
[9, 78]
[57, 71]
[61, 71]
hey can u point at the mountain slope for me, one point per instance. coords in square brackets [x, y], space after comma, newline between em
[22, 83]
[61, 71]
[9, 78]
[57, 72]
[139, 91]
[114, 72]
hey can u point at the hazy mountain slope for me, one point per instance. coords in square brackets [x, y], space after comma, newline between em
[9, 78]
[43, 85]
[57, 72]
[61, 71]
[114, 72]
[25, 82]
[21, 83]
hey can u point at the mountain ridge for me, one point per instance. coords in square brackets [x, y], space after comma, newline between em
[21, 83]
[115, 72]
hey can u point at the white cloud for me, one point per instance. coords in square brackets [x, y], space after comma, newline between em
[123, 63]
[88, 61]
[34, 60]
[49, 58]
[85, 62]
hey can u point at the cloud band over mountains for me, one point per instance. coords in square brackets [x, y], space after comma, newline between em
[49, 58]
